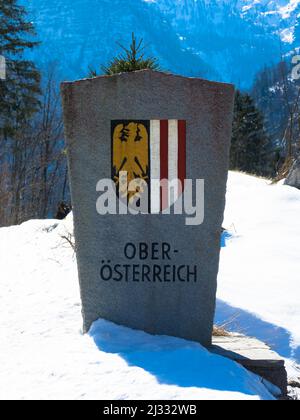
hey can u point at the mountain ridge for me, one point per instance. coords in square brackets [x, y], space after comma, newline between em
[223, 40]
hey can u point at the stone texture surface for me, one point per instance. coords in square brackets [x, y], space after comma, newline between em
[179, 309]
[293, 179]
[255, 356]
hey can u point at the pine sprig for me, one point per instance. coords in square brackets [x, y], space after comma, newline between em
[132, 59]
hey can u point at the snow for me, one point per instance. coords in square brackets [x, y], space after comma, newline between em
[289, 8]
[288, 35]
[259, 278]
[280, 15]
[44, 354]
[285, 8]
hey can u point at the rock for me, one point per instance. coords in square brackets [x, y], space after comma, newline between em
[254, 356]
[147, 271]
[63, 209]
[293, 179]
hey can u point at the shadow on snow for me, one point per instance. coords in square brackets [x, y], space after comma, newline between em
[175, 361]
[239, 320]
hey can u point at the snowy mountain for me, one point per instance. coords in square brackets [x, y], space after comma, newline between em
[228, 40]
[79, 34]
[281, 16]
[45, 356]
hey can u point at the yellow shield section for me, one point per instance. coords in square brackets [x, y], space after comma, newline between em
[130, 155]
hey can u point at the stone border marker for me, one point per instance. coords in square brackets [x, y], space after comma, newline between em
[152, 271]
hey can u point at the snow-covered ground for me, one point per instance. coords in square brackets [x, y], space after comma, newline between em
[43, 354]
[259, 278]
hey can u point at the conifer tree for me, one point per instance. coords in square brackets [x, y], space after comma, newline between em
[249, 150]
[19, 101]
[19, 92]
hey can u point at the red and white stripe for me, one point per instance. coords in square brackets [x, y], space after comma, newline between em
[167, 161]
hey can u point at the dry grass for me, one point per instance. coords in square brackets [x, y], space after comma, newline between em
[69, 240]
[219, 331]
[294, 384]
[285, 170]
